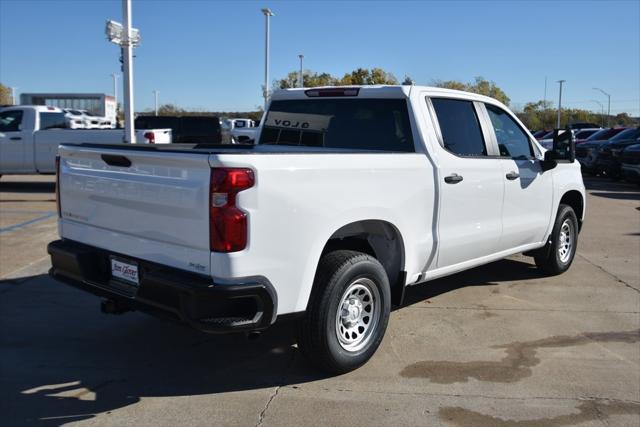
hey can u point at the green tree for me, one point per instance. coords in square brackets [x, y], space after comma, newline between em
[5, 95]
[542, 115]
[623, 119]
[449, 84]
[310, 78]
[360, 76]
[538, 115]
[408, 81]
[480, 86]
[170, 110]
[364, 76]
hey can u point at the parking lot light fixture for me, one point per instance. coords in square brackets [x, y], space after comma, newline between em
[127, 38]
[301, 82]
[560, 101]
[115, 88]
[155, 94]
[267, 14]
[608, 104]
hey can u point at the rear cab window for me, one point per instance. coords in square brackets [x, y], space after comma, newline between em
[359, 124]
[52, 121]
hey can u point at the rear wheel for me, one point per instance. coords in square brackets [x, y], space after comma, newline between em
[557, 256]
[348, 312]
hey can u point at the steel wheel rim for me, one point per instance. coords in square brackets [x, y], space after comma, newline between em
[565, 241]
[357, 314]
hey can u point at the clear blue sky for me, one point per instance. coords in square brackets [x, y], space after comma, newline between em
[209, 54]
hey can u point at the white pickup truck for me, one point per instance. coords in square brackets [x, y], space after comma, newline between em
[239, 131]
[351, 195]
[30, 135]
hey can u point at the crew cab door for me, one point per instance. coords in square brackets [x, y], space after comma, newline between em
[14, 139]
[470, 180]
[46, 141]
[528, 189]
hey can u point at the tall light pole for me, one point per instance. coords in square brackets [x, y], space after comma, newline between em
[560, 101]
[301, 82]
[544, 104]
[115, 88]
[608, 104]
[13, 95]
[127, 56]
[126, 38]
[267, 14]
[601, 110]
[155, 94]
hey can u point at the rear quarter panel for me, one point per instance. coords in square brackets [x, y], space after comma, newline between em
[299, 201]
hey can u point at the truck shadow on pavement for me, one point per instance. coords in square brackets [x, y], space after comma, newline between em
[63, 361]
[486, 275]
[27, 187]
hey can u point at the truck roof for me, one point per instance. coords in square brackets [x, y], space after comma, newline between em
[382, 91]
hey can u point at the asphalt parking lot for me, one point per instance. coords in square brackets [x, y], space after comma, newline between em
[497, 345]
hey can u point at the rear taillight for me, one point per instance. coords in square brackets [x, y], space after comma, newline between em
[151, 137]
[58, 186]
[227, 222]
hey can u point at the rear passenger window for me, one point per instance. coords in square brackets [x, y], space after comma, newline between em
[52, 121]
[512, 140]
[460, 128]
[10, 121]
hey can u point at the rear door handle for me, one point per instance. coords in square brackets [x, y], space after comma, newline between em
[513, 175]
[453, 178]
[15, 138]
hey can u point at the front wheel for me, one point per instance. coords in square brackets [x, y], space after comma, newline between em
[347, 313]
[557, 256]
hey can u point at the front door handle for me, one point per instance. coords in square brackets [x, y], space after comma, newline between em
[15, 138]
[453, 178]
[513, 175]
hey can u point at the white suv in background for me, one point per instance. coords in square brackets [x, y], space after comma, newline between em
[83, 119]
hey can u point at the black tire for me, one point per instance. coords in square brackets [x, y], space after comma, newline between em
[550, 259]
[318, 331]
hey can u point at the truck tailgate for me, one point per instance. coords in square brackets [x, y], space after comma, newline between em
[156, 209]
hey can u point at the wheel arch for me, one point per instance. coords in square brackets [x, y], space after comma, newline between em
[380, 239]
[574, 199]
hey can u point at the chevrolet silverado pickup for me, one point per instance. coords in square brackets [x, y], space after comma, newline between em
[350, 195]
[30, 135]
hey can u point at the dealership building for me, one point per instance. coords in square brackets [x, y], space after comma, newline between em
[99, 104]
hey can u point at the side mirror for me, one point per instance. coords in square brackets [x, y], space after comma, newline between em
[563, 150]
[564, 146]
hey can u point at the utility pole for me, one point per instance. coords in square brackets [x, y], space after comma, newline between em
[560, 101]
[127, 50]
[13, 95]
[267, 14]
[115, 88]
[544, 104]
[608, 104]
[155, 94]
[301, 82]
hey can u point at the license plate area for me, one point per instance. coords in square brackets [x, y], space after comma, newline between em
[125, 276]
